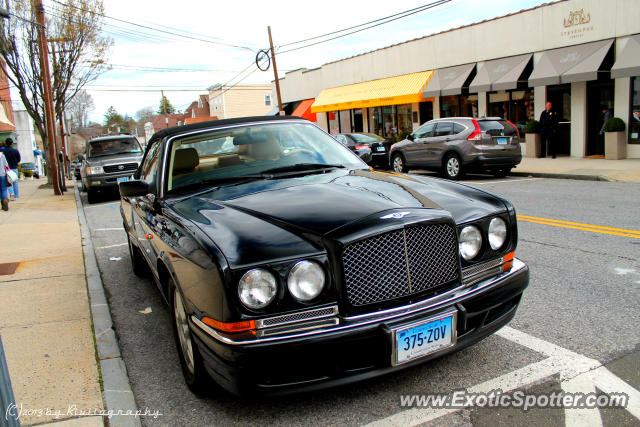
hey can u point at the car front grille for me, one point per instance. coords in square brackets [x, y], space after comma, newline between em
[125, 167]
[400, 263]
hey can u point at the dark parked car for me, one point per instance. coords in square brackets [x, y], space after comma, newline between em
[363, 151]
[378, 145]
[456, 145]
[289, 265]
[109, 160]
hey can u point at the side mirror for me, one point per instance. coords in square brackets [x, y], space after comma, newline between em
[134, 188]
[410, 137]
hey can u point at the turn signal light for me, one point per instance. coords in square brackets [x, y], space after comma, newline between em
[508, 261]
[229, 327]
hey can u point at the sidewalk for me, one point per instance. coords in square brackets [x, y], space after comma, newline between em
[45, 322]
[627, 170]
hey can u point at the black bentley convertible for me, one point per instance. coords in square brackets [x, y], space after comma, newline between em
[290, 265]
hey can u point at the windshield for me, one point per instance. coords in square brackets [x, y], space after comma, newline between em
[107, 147]
[241, 152]
[366, 137]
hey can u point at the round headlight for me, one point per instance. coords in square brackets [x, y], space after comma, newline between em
[497, 233]
[470, 242]
[306, 280]
[257, 288]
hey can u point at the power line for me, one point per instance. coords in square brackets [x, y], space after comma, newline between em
[185, 36]
[422, 9]
[355, 26]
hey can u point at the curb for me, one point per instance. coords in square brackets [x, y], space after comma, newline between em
[117, 393]
[563, 176]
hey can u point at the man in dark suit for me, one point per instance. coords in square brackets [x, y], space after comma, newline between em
[548, 125]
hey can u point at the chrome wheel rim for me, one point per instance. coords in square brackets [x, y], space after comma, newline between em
[397, 164]
[453, 166]
[184, 335]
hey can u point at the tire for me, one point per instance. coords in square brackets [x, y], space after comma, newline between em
[501, 173]
[398, 164]
[452, 166]
[138, 264]
[193, 370]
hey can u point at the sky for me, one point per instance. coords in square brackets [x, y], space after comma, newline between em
[243, 23]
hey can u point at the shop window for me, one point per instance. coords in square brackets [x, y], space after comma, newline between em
[634, 114]
[332, 119]
[405, 120]
[390, 125]
[375, 121]
[469, 105]
[449, 106]
[345, 121]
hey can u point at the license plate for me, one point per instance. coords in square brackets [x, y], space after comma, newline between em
[123, 179]
[380, 148]
[502, 141]
[423, 338]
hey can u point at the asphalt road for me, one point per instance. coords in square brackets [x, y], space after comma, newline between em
[581, 308]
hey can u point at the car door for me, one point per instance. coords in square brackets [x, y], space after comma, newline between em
[438, 143]
[145, 219]
[414, 152]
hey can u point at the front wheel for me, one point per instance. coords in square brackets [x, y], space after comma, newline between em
[452, 166]
[193, 368]
[398, 164]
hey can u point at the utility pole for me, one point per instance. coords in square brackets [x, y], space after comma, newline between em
[275, 73]
[48, 97]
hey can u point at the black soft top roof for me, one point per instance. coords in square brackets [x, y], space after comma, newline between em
[175, 130]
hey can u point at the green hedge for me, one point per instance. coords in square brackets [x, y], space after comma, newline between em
[614, 124]
[533, 126]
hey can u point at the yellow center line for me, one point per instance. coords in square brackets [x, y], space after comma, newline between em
[581, 226]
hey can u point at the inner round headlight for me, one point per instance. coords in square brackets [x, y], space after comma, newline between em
[497, 233]
[257, 288]
[306, 280]
[470, 242]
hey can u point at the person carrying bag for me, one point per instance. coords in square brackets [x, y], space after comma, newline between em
[6, 180]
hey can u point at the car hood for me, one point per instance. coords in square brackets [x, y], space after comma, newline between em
[258, 214]
[115, 159]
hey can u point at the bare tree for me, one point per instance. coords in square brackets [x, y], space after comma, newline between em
[79, 108]
[145, 114]
[77, 52]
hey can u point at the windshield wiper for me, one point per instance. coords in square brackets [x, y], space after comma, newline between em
[300, 167]
[214, 183]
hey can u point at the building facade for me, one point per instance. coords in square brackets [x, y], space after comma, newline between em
[226, 102]
[582, 55]
[7, 124]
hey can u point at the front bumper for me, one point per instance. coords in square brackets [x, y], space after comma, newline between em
[354, 348]
[105, 180]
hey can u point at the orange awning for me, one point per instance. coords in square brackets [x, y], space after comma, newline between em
[304, 110]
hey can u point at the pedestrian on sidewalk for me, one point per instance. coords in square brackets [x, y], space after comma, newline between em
[4, 196]
[606, 115]
[13, 158]
[548, 125]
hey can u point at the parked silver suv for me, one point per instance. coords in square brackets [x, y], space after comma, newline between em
[455, 145]
[109, 160]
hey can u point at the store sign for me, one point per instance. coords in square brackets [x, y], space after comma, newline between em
[577, 24]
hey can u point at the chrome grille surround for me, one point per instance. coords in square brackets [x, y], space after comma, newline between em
[400, 263]
[126, 167]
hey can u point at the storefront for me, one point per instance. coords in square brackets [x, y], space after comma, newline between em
[580, 55]
[383, 106]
